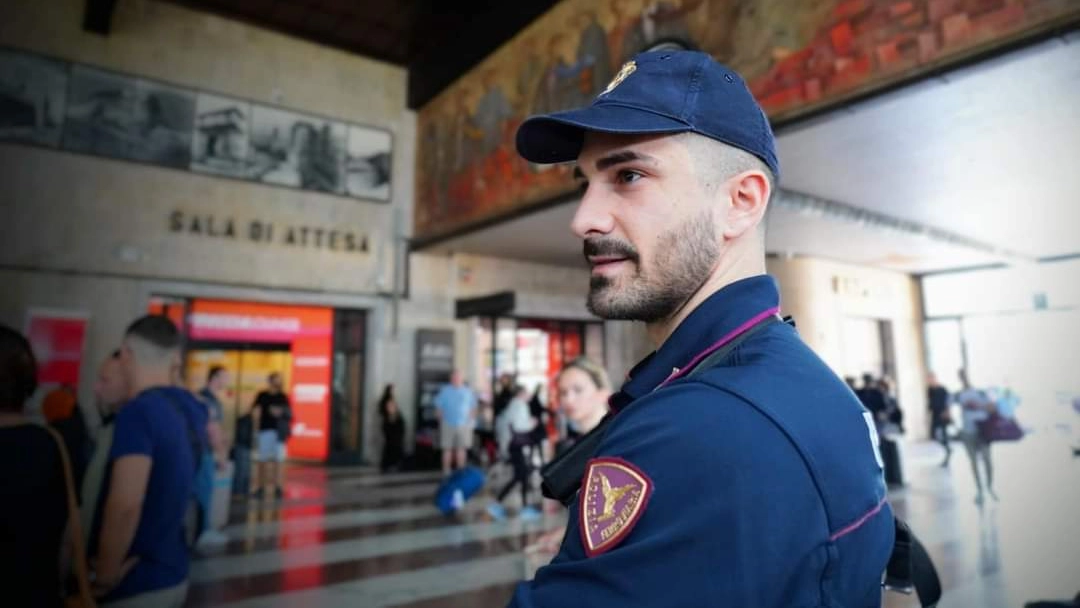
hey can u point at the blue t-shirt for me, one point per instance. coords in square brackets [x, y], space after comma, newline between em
[151, 425]
[455, 403]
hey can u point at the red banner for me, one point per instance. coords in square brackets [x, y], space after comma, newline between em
[57, 338]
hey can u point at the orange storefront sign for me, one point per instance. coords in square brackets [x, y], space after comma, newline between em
[308, 332]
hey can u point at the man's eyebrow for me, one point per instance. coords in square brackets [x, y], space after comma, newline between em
[623, 156]
[617, 158]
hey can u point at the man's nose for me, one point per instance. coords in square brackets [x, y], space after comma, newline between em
[593, 215]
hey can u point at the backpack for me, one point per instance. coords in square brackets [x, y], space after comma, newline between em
[195, 514]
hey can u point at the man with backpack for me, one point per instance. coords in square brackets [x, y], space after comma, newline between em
[159, 441]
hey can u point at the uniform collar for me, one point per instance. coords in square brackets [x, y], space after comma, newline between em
[722, 313]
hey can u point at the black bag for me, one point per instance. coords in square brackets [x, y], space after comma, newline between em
[284, 425]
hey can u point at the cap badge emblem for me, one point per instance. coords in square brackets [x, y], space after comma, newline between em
[627, 69]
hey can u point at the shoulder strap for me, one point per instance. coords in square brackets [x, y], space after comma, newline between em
[720, 355]
[193, 437]
[562, 477]
[74, 523]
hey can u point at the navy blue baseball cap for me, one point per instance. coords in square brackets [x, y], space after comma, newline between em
[658, 92]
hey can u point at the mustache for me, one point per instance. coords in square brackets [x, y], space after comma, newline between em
[610, 247]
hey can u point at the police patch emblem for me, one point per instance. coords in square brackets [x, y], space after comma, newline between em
[612, 500]
[627, 69]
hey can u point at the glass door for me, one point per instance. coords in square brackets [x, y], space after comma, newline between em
[348, 388]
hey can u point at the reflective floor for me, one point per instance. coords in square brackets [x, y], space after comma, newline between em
[351, 537]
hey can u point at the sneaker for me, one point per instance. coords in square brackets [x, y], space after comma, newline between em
[210, 542]
[496, 511]
[528, 514]
[212, 537]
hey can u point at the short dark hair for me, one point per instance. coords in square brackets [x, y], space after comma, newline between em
[213, 373]
[18, 370]
[158, 330]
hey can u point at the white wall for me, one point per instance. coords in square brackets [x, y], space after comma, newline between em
[819, 294]
[1008, 341]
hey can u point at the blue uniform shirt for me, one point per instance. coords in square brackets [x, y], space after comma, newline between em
[150, 425]
[752, 484]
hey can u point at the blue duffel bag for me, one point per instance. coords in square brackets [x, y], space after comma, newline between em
[458, 488]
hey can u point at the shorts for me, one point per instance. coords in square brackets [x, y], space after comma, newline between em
[269, 448]
[455, 436]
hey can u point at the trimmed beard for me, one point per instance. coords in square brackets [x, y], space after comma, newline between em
[685, 257]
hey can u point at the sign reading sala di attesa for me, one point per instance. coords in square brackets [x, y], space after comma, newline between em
[261, 231]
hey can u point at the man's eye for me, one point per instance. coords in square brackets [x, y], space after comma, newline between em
[627, 176]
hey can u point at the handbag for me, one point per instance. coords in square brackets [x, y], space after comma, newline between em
[999, 428]
[83, 598]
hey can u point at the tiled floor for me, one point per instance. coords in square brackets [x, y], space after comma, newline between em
[350, 537]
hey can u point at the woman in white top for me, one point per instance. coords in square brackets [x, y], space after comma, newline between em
[512, 429]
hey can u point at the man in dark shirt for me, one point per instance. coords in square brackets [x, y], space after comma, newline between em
[273, 418]
[504, 394]
[872, 398]
[243, 436]
[937, 399]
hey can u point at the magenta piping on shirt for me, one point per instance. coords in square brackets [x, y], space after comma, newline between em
[859, 522]
[689, 367]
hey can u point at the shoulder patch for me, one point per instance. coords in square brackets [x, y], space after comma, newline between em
[613, 498]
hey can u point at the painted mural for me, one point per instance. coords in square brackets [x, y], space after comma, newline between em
[796, 55]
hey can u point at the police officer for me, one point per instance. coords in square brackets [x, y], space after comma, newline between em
[749, 481]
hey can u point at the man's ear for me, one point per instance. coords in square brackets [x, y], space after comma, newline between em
[748, 193]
